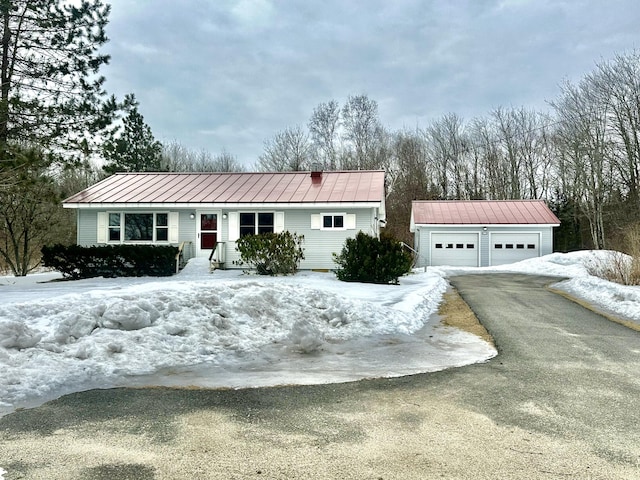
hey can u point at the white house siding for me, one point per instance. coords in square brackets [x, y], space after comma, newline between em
[422, 238]
[87, 227]
[318, 244]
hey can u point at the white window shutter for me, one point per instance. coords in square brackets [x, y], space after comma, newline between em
[234, 226]
[279, 222]
[174, 227]
[316, 221]
[103, 218]
[350, 221]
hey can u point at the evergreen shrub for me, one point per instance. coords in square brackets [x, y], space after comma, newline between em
[368, 259]
[75, 262]
[271, 253]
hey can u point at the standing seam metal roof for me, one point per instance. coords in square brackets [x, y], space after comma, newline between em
[220, 188]
[482, 212]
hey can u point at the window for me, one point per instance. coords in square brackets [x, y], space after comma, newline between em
[438, 245]
[459, 245]
[531, 246]
[520, 246]
[509, 245]
[333, 221]
[138, 227]
[252, 223]
[449, 245]
[497, 245]
[162, 227]
[114, 227]
[471, 246]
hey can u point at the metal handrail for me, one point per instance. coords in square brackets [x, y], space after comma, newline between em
[218, 256]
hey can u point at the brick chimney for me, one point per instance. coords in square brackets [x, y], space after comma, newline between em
[316, 173]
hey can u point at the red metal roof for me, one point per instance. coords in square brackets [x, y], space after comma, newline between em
[482, 212]
[234, 188]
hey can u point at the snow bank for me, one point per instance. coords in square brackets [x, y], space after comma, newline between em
[69, 336]
[231, 330]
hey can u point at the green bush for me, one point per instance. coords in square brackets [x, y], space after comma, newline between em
[76, 262]
[271, 253]
[371, 260]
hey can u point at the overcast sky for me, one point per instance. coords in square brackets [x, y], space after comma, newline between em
[229, 74]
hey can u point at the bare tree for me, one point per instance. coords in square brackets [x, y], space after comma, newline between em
[288, 150]
[617, 83]
[226, 162]
[29, 213]
[323, 127]
[583, 144]
[408, 179]
[178, 158]
[447, 149]
[364, 134]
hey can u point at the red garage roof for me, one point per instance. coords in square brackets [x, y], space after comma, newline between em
[482, 212]
[360, 186]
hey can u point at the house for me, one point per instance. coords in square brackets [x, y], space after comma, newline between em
[481, 232]
[208, 212]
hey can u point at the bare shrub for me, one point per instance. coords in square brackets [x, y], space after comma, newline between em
[632, 240]
[610, 265]
[620, 267]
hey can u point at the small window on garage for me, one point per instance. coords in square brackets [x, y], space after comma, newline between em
[497, 245]
[508, 245]
[449, 245]
[520, 246]
[459, 245]
[531, 246]
[438, 245]
[471, 246]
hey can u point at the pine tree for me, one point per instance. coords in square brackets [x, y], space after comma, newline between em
[51, 94]
[133, 149]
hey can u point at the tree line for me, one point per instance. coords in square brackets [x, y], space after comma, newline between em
[582, 155]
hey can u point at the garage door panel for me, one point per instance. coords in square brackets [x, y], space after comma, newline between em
[514, 247]
[455, 249]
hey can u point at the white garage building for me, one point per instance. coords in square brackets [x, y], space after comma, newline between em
[480, 233]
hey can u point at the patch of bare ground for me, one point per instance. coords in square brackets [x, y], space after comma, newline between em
[456, 313]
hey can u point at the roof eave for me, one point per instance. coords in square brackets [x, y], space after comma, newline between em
[194, 205]
[480, 225]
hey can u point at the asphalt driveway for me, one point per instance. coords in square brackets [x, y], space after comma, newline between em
[561, 400]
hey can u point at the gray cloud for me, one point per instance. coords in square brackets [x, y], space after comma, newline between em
[230, 74]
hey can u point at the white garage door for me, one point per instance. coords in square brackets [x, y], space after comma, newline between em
[456, 249]
[513, 247]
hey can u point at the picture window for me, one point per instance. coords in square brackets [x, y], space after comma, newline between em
[138, 227]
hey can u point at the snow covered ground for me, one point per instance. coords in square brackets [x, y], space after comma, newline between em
[227, 329]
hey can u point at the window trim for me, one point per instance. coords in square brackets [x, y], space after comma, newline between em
[121, 228]
[333, 215]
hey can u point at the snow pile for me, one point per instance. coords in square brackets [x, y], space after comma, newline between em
[14, 334]
[231, 330]
[235, 330]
